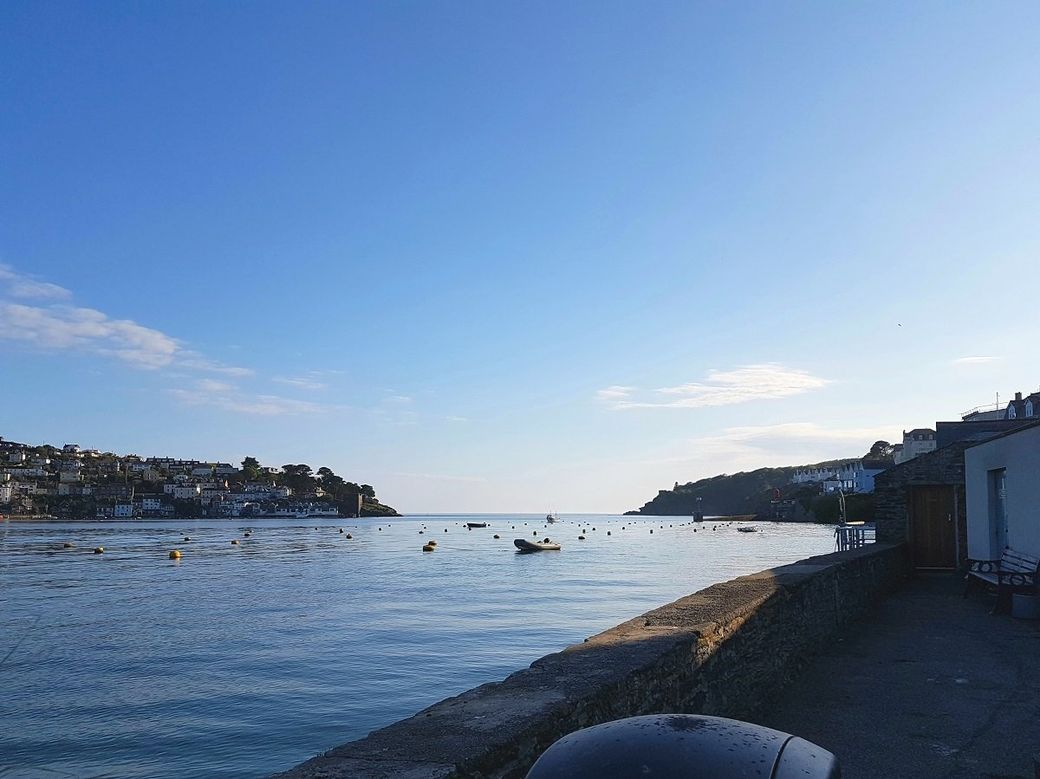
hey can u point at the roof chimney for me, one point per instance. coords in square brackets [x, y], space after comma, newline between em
[1018, 396]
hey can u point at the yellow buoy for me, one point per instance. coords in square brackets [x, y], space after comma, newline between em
[428, 547]
[175, 555]
[99, 550]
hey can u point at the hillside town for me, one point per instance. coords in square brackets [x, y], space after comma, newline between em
[70, 482]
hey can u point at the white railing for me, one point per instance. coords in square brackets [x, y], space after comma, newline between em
[853, 535]
[982, 409]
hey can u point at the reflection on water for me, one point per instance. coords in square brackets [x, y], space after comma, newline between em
[237, 661]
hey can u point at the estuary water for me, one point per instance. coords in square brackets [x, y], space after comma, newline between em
[242, 660]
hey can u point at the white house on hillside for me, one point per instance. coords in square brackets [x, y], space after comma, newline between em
[850, 476]
[916, 442]
[1002, 493]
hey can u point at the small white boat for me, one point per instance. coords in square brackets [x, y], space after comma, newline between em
[536, 546]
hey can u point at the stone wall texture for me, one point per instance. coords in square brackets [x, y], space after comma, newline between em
[892, 493]
[725, 651]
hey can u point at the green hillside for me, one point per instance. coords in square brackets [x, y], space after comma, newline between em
[766, 493]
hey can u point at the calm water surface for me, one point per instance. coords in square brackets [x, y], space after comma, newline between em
[238, 661]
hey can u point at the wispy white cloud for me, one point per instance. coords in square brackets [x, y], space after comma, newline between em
[790, 443]
[615, 392]
[765, 381]
[192, 360]
[395, 408]
[301, 382]
[968, 361]
[211, 385]
[52, 324]
[19, 285]
[789, 433]
[227, 397]
[27, 288]
[71, 328]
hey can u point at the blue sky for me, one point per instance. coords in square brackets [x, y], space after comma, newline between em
[514, 256]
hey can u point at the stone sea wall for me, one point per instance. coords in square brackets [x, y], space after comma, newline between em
[724, 651]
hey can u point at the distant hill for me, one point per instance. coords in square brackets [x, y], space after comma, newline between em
[747, 492]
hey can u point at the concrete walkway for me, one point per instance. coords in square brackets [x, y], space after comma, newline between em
[927, 685]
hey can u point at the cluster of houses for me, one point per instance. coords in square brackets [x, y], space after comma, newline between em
[129, 486]
[846, 475]
[858, 475]
[971, 493]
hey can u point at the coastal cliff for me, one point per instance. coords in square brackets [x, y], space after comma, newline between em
[370, 507]
[766, 494]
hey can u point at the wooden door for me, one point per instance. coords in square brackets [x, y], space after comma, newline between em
[933, 529]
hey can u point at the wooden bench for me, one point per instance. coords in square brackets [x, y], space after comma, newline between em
[1013, 572]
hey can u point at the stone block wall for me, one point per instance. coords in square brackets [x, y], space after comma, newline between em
[724, 650]
[892, 493]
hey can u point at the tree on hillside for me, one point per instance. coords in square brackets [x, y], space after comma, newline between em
[251, 468]
[298, 478]
[330, 482]
[881, 451]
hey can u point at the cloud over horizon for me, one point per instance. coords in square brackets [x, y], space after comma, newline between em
[757, 446]
[763, 381]
[228, 397]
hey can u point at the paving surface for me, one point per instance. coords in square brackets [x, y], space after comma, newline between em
[926, 685]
